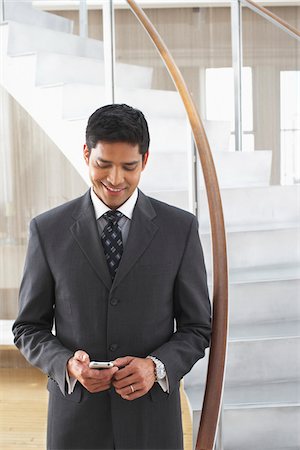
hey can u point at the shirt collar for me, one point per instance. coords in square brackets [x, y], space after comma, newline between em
[126, 209]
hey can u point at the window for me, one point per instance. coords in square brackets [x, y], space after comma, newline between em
[219, 92]
[290, 126]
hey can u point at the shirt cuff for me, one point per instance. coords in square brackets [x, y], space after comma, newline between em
[164, 384]
[71, 382]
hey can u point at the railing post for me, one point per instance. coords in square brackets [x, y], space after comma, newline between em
[2, 12]
[219, 434]
[193, 172]
[109, 50]
[83, 19]
[237, 58]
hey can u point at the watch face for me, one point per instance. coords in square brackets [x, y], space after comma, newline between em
[160, 371]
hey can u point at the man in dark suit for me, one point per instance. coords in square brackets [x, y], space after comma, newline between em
[113, 270]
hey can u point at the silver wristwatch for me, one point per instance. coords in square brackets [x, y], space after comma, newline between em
[160, 371]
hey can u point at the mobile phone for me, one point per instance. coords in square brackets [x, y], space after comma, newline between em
[101, 364]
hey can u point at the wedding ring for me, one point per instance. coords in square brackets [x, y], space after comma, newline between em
[132, 388]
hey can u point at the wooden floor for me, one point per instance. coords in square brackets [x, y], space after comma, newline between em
[23, 409]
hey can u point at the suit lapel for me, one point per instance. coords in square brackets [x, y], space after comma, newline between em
[86, 234]
[141, 233]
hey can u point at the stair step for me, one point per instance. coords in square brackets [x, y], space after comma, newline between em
[68, 136]
[271, 272]
[265, 427]
[54, 68]
[277, 302]
[280, 393]
[265, 329]
[255, 361]
[254, 206]
[153, 102]
[157, 177]
[239, 169]
[25, 39]
[156, 104]
[164, 147]
[251, 249]
[10, 74]
[23, 12]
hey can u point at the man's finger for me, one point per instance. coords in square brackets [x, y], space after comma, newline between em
[129, 389]
[121, 362]
[82, 356]
[122, 382]
[123, 373]
[134, 395]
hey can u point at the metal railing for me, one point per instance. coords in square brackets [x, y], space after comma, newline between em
[237, 53]
[273, 18]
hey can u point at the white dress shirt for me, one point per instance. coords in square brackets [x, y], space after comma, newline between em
[124, 223]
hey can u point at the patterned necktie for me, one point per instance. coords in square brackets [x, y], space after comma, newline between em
[111, 238]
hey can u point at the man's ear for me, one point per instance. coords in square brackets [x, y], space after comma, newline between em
[86, 154]
[145, 159]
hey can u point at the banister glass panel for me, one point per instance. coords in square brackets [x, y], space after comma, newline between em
[274, 57]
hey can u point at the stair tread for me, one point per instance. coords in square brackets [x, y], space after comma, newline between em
[153, 102]
[26, 14]
[70, 43]
[268, 395]
[257, 207]
[255, 227]
[263, 273]
[264, 330]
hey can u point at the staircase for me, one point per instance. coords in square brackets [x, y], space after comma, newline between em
[59, 79]
[261, 395]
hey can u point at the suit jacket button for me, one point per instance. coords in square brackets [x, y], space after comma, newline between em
[113, 347]
[114, 301]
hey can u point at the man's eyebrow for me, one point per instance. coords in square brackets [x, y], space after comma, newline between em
[105, 161]
[102, 160]
[131, 163]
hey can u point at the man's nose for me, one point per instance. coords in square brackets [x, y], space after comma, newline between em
[115, 177]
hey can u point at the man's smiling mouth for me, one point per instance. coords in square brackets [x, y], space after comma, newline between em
[112, 189]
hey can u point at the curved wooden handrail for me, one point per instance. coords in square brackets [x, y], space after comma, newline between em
[273, 17]
[216, 365]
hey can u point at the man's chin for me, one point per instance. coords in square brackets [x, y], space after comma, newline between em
[111, 199]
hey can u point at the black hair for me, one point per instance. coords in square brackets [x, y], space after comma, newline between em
[118, 123]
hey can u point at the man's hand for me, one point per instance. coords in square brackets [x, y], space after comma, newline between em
[135, 377]
[94, 380]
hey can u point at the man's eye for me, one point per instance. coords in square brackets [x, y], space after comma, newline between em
[130, 168]
[102, 166]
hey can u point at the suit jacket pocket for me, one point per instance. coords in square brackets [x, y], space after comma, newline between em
[76, 395]
[157, 394]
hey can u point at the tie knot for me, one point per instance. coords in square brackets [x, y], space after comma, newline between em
[113, 216]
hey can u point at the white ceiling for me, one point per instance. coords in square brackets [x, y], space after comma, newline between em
[96, 4]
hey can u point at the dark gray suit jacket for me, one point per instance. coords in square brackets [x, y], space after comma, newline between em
[161, 277]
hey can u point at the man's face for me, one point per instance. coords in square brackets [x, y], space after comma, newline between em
[115, 169]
